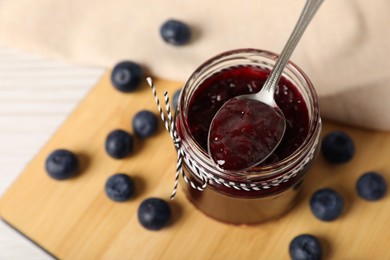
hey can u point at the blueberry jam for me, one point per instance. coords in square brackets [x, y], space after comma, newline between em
[243, 133]
[228, 83]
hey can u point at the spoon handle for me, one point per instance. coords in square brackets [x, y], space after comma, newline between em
[307, 14]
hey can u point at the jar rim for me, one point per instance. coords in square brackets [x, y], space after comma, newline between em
[263, 171]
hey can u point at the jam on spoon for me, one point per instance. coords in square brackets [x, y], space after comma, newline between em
[240, 138]
[248, 128]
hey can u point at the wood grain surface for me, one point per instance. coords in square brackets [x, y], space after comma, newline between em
[74, 219]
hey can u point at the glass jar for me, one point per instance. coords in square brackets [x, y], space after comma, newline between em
[255, 195]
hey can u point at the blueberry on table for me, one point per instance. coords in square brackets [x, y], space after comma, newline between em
[126, 76]
[119, 144]
[305, 247]
[62, 164]
[371, 186]
[326, 204]
[119, 187]
[175, 32]
[337, 147]
[145, 124]
[175, 99]
[154, 213]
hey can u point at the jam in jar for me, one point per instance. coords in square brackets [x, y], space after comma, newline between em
[265, 191]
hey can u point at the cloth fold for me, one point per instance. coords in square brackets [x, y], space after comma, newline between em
[345, 50]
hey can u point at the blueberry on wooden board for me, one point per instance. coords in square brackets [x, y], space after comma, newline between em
[145, 124]
[62, 164]
[371, 186]
[126, 76]
[119, 144]
[154, 213]
[337, 147]
[305, 247]
[175, 32]
[119, 187]
[326, 204]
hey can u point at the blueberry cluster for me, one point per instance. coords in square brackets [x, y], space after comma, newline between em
[337, 148]
[120, 144]
[153, 213]
[327, 204]
[61, 164]
[126, 77]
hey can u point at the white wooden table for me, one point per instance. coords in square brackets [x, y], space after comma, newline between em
[36, 95]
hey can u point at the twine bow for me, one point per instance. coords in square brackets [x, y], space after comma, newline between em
[170, 126]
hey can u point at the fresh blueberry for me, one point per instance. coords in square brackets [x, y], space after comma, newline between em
[154, 213]
[120, 187]
[371, 186]
[337, 147]
[126, 76]
[61, 164]
[144, 124]
[119, 144]
[305, 247]
[175, 32]
[326, 204]
[175, 99]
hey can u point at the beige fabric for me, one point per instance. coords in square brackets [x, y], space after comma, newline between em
[345, 51]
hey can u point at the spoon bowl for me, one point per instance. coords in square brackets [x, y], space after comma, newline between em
[241, 139]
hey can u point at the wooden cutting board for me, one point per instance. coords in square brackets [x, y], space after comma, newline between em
[74, 219]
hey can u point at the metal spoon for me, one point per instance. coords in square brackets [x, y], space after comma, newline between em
[234, 144]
